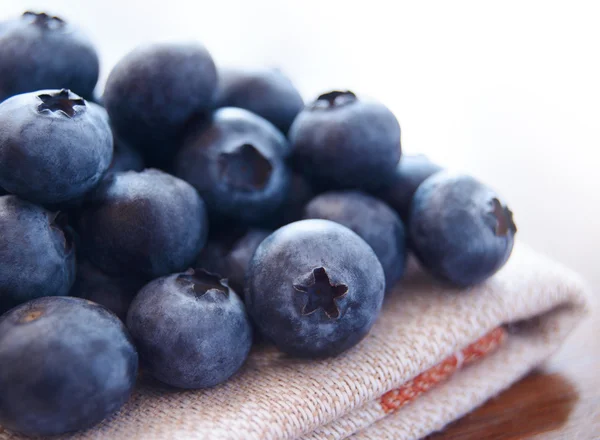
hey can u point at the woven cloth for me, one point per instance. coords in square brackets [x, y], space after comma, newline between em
[435, 354]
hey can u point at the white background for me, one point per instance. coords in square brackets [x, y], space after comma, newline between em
[508, 91]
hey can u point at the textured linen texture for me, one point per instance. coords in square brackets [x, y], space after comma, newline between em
[423, 324]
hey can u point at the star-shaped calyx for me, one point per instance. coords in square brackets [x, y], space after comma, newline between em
[336, 98]
[60, 102]
[504, 219]
[201, 282]
[44, 20]
[321, 293]
[245, 168]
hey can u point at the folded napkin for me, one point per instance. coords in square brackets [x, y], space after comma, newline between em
[435, 354]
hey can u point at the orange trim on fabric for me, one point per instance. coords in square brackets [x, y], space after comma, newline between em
[397, 398]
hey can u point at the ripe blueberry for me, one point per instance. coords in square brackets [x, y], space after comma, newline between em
[314, 288]
[191, 329]
[39, 51]
[65, 365]
[341, 141]
[54, 146]
[459, 228]
[145, 224]
[237, 165]
[154, 91]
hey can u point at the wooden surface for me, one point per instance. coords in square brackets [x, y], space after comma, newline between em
[561, 400]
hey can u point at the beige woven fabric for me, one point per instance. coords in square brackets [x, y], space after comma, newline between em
[275, 397]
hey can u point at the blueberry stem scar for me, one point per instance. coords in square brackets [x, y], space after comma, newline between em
[203, 281]
[322, 294]
[335, 98]
[504, 218]
[59, 101]
[245, 168]
[44, 20]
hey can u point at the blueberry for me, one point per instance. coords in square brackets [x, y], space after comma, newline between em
[314, 288]
[37, 256]
[237, 165]
[3, 191]
[266, 92]
[114, 293]
[125, 158]
[54, 146]
[145, 224]
[340, 141]
[191, 329]
[411, 171]
[39, 51]
[459, 228]
[239, 256]
[65, 365]
[154, 91]
[372, 220]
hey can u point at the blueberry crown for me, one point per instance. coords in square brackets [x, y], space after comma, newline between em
[334, 99]
[504, 218]
[60, 102]
[44, 20]
[321, 293]
[202, 282]
[245, 168]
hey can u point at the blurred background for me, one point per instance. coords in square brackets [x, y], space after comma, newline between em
[508, 91]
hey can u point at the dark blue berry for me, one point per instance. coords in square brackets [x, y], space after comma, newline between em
[314, 288]
[153, 93]
[372, 220]
[266, 92]
[37, 255]
[411, 171]
[145, 224]
[341, 141]
[237, 165]
[39, 51]
[54, 146]
[460, 229]
[114, 293]
[65, 365]
[191, 329]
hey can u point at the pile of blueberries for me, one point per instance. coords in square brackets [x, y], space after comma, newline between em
[106, 252]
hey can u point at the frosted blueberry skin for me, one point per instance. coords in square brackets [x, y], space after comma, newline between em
[340, 141]
[372, 220]
[145, 224]
[37, 253]
[265, 92]
[155, 91]
[39, 51]
[237, 164]
[54, 146]
[191, 329]
[459, 228]
[412, 170]
[66, 364]
[314, 288]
